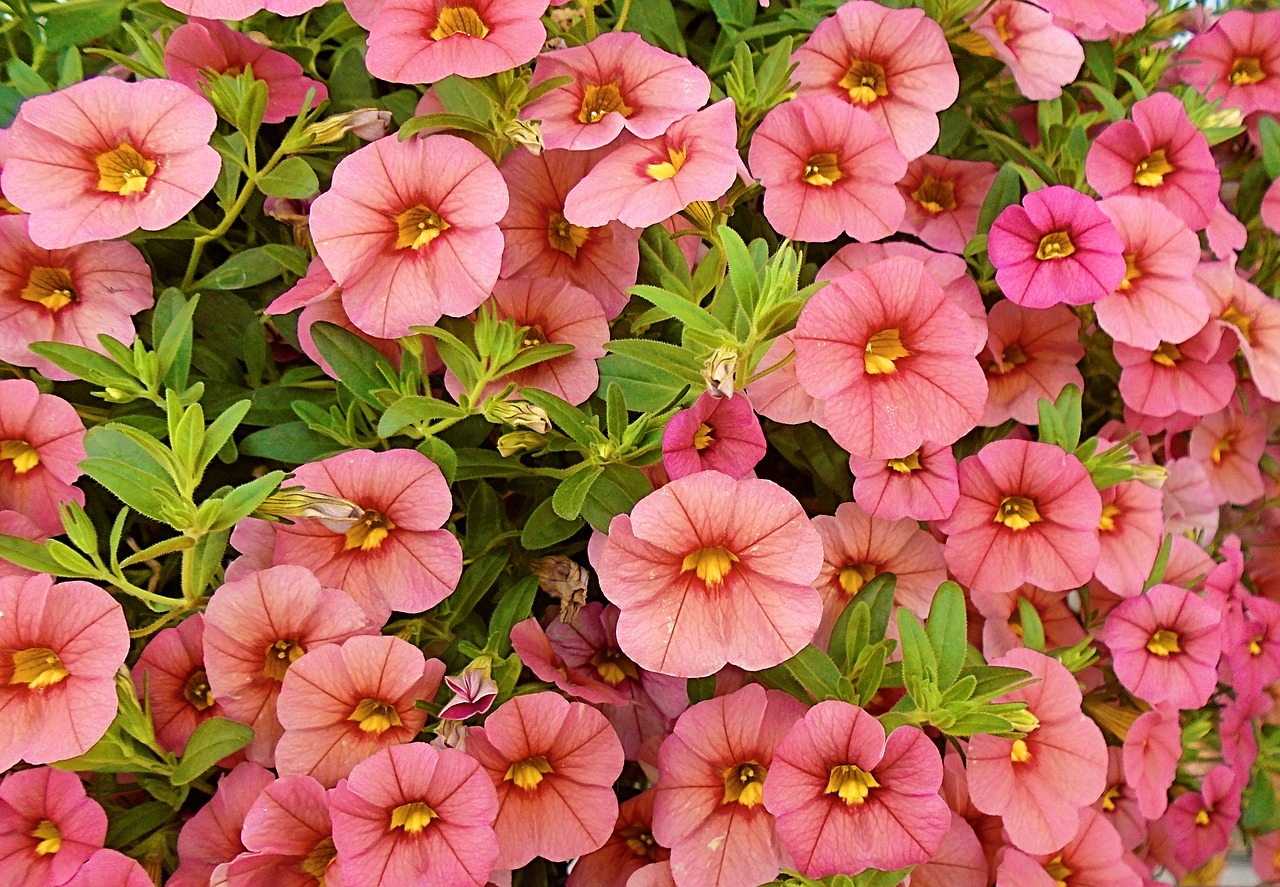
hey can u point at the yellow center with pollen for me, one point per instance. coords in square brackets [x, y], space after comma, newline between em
[1202, 817]
[1019, 752]
[1017, 513]
[50, 839]
[417, 226]
[1131, 272]
[1056, 870]
[613, 667]
[710, 564]
[413, 817]
[1241, 321]
[527, 774]
[197, 692]
[1109, 798]
[1164, 643]
[935, 195]
[1166, 354]
[744, 783]
[662, 170]
[905, 465]
[639, 841]
[882, 351]
[459, 20]
[375, 716]
[369, 532]
[37, 667]
[1107, 523]
[865, 82]
[702, 437]
[1246, 70]
[1152, 169]
[124, 171]
[317, 862]
[822, 170]
[600, 100]
[1222, 447]
[1002, 29]
[23, 456]
[850, 783]
[51, 287]
[854, 576]
[1055, 245]
[565, 236]
[1255, 647]
[277, 658]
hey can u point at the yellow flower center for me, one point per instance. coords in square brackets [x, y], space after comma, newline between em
[1107, 523]
[565, 236]
[51, 287]
[852, 784]
[640, 842]
[1241, 321]
[279, 656]
[7, 207]
[417, 226]
[1164, 643]
[1019, 752]
[375, 716]
[1056, 870]
[1055, 245]
[854, 576]
[822, 170]
[1166, 354]
[865, 82]
[1255, 647]
[702, 437]
[197, 692]
[459, 20]
[369, 532]
[1202, 817]
[883, 349]
[1017, 513]
[1002, 29]
[907, 464]
[1246, 70]
[711, 564]
[744, 783]
[317, 862]
[613, 667]
[527, 774]
[1222, 447]
[413, 817]
[37, 667]
[23, 456]
[1131, 272]
[600, 100]
[935, 195]
[124, 171]
[50, 838]
[1109, 799]
[665, 169]
[1152, 169]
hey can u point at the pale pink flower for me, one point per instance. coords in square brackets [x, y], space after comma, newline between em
[234, 10]
[777, 395]
[1130, 533]
[1094, 856]
[112, 867]
[1098, 19]
[1200, 823]
[958, 861]
[1031, 355]
[210, 839]
[49, 827]
[1042, 56]
[1002, 619]
[943, 197]
[1248, 315]
[41, 446]
[1228, 445]
[1151, 751]
[1193, 377]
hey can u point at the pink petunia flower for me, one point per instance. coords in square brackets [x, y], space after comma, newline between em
[553, 763]
[709, 570]
[920, 485]
[1094, 856]
[422, 42]
[777, 394]
[112, 867]
[1200, 823]
[644, 182]
[1057, 247]
[49, 827]
[630, 848]
[541, 242]
[847, 798]
[1194, 377]
[202, 46]
[1251, 647]
[1151, 751]
[171, 668]
[234, 10]
[1130, 533]
[828, 169]
[895, 63]
[720, 434]
[943, 197]
[340, 703]
[408, 248]
[1228, 445]
[713, 769]
[1160, 155]
[1270, 209]
[474, 693]
[892, 357]
[597, 683]
[104, 157]
[1031, 355]
[255, 628]
[1237, 60]
[958, 861]
[1002, 619]
[210, 839]
[41, 446]
[1247, 315]
[288, 838]
[619, 82]
[1042, 56]
[1098, 19]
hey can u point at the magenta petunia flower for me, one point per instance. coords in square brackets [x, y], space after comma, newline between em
[1194, 377]
[210, 839]
[1056, 247]
[619, 82]
[943, 197]
[828, 169]
[234, 10]
[720, 434]
[1094, 856]
[393, 554]
[41, 446]
[408, 248]
[895, 63]
[422, 42]
[49, 827]
[1031, 355]
[474, 693]
[1200, 823]
[202, 47]
[1028, 512]
[1129, 533]
[553, 763]
[847, 797]
[70, 295]
[920, 485]
[288, 838]
[644, 182]
[1160, 155]
[255, 628]
[1249, 316]
[1042, 56]
[709, 570]
[1039, 784]
[541, 242]
[712, 772]
[104, 157]
[892, 358]
[1237, 60]
[630, 848]
[1165, 645]
[171, 669]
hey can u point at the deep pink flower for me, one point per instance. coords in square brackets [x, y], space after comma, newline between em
[713, 769]
[1042, 56]
[630, 848]
[828, 169]
[1160, 155]
[1095, 856]
[1152, 748]
[288, 838]
[171, 668]
[41, 446]
[619, 81]
[408, 248]
[1200, 823]
[1031, 355]
[709, 570]
[722, 434]
[1028, 512]
[1249, 316]
[943, 197]
[847, 798]
[596, 683]
[1251, 647]
[1165, 645]
[1055, 248]
[49, 827]
[1130, 533]
[553, 763]
[211, 838]
[104, 157]
[895, 63]
[1226, 234]
[920, 485]
[1193, 377]
[1237, 60]
[234, 10]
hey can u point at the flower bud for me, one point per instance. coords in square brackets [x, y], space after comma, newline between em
[720, 371]
[518, 413]
[294, 502]
[527, 133]
[519, 442]
[366, 123]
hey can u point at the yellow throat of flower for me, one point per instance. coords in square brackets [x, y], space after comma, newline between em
[51, 287]
[37, 667]
[935, 195]
[1055, 245]
[1164, 643]
[614, 667]
[1131, 272]
[1056, 870]
[196, 691]
[369, 532]
[851, 784]
[527, 774]
[277, 658]
[865, 82]
[1246, 70]
[459, 20]
[1017, 513]
[1107, 523]
[853, 577]
[375, 716]
[23, 456]
[744, 783]
[883, 351]
[123, 170]
[601, 99]
[417, 226]
[413, 817]
[822, 170]
[50, 839]
[564, 236]
[711, 564]
[702, 438]
[905, 465]
[1152, 169]
[664, 169]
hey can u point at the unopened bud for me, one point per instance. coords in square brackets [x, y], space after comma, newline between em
[527, 133]
[720, 371]
[563, 579]
[519, 442]
[518, 413]
[294, 502]
[1150, 475]
[450, 734]
[365, 123]
[1022, 721]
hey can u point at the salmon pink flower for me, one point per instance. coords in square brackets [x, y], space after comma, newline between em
[210, 839]
[958, 862]
[895, 63]
[778, 395]
[288, 838]
[1194, 377]
[110, 867]
[1271, 207]
[1031, 355]
[1228, 445]
[1094, 856]
[1098, 19]
[103, 158]
[1151, 751]
[579, 679]
[234, 10]
[408, 248]
[1165, 645]
[1237, 60]
[41, 446]
[49, 827]
[630, 848]
[828, 169]
[1251, 647]
[1042, 56]
[943, 197]
[171, 669]
[709, 570]
[1130, 533]
[1249, 316]
[1002, 619]
[847, 797]
[553, 763]
[713, 769]
[721, 434]
[920, 485]
[619, 82]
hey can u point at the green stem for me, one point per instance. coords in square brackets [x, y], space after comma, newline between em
[589, 9]
[622, 15]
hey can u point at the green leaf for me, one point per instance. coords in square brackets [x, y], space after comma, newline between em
[1162, 563]
[445, 120]
[129, 471]
[172, 330]
[545, 528]
[616, 415]
[1060, 421]
[240, 502]
[484, 520]
[253, 266]
[31, 555]
[691, 315]
[947, 630]
[292, 178]
[572, 492]
[477, 579]
[360, 366]
[1032, 628]
[566, 417]
[127, 827]
[878, 593]
[1005, 191]
[1100, 58]
[535, 355]
[815, 672]
[212, 741]
[514, 605]
[412, 410]
[84, 364]
[742, 270]
[443, 455]
[220, 431]
[292, 442]
[656, 21]
[1269, 136]
[850, 634]
[207, 559]
[615, 492]
[919, 664]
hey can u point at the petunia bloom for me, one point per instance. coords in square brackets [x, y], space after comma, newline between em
[1042, 56]
[1200, 823]
[721, 434]
[171, 668]
[920, 485]
[1130, 533]
[103, 158]
[630, 848]
[1031, 355]
[1151, 751]
[210, 839]
[41, 446]
[1237, 60]
[49, 827]
[1193, 377]
[943, 197]
[234, 10]
[1246, 314]
[1094, 856]
[288, 838]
